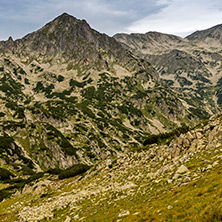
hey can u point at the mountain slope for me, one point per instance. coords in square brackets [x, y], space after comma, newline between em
[75, 103]
[185, 65]
[175, 180]
[212, 37]
[71, 95]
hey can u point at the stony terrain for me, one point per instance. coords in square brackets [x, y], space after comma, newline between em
[151, 183]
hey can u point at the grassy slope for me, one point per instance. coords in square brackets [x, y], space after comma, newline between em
[134, 184]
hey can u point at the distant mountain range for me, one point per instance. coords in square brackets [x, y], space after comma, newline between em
[192, 66]
[70, 94]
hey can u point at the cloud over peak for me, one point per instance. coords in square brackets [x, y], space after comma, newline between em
[19, 17]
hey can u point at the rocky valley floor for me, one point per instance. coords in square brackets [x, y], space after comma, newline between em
[178, 180]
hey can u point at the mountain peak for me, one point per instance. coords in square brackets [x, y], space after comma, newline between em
[10, 39]
[71, 40]
[214, 32]
[61, 36]
[65, 17]
[64, 14]
[65, 20]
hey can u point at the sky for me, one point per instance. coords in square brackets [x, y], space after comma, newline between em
[179, 17]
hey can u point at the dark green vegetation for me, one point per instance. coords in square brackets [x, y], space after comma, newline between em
[73, 171]
[5, 143]
[6, 177]
[5, 174]
[15, 184]
[165, 138]
[10, 152]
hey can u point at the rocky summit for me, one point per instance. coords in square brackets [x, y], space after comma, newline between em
[99, 128]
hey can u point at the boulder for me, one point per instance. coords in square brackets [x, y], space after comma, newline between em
[193, 146]
[124, 213]
[186, 143]
[68, 219]
[182, 169]
[190, 137]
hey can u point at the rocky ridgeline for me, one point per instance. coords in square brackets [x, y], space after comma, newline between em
[147, 174]
[191, 65]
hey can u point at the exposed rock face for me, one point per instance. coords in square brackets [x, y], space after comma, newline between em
[67, 39]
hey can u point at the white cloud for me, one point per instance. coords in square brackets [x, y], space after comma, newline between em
[164, 2]
[181, 17]
[19, 17]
